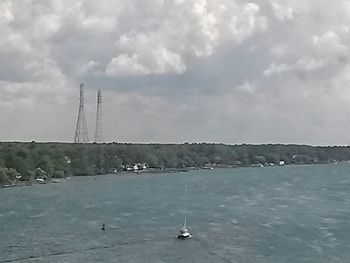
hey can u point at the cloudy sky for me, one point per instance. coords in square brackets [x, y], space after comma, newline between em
[230, 71]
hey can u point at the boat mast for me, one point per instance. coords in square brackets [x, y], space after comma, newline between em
[185, 224]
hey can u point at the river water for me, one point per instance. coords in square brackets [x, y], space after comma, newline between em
[273, 215]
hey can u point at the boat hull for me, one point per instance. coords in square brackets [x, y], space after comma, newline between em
[183, 237]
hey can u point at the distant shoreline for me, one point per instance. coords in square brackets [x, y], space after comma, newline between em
[32, 161]
[133, 173]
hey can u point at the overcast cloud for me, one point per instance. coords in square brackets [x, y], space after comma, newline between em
[231, 71]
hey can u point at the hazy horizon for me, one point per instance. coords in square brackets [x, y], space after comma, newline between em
[179, 143]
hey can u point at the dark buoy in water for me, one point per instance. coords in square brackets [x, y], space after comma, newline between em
[103, 227]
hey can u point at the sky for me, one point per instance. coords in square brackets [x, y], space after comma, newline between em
[174, 71]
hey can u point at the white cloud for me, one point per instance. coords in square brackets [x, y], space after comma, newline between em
[46, 26]
[283, 12]
[167, 61]
[246, 20]
[208, 62]
[288, 10]
[6, 11]
[157, 61]
[276, 69]
[190, 29]
[279, 50]
[307, 64]
[247, 87]
[329, 43]
[89, 67]
[15, 42]
[125, 65]
[104, 24]
[302, 65]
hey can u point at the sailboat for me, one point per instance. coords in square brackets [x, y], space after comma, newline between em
[184, 232]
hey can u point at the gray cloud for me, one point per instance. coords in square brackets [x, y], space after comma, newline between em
[227, 71]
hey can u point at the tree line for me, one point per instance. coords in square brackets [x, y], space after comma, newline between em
[31, 160]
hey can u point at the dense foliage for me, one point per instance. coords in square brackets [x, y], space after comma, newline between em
[48, 160]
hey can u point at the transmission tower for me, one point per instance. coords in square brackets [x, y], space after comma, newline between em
[81, 131]
[98, 129]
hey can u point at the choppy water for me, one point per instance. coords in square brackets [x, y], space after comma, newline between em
[278, 214]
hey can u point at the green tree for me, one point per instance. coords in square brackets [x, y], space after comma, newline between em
[8, 175]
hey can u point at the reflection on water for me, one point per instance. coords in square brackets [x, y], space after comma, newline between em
[279, 214]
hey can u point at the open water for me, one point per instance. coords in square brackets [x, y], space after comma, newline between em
[273, 215]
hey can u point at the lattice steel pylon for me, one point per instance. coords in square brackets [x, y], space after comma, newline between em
[81, 131]
[99, 128]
